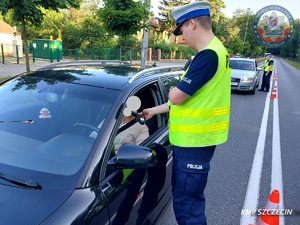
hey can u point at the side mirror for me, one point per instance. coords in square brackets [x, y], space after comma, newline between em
[258, 69]
[132, 156]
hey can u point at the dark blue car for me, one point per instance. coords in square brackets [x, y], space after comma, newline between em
[58, 165]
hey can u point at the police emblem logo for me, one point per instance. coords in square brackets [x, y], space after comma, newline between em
[273, 26]
[273, 21]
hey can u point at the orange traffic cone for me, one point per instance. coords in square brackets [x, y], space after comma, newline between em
[269, 216]
[274, 95]
[275, 76]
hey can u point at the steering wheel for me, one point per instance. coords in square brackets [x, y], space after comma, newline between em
[88, 126]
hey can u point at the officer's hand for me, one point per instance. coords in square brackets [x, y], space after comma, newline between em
[147, 113]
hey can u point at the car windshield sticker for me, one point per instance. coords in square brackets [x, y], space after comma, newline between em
[45, 113]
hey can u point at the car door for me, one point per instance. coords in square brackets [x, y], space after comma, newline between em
[140, 194]
[257, 73]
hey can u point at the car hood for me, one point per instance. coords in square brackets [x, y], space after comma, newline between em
[28, 206]
[241, 73]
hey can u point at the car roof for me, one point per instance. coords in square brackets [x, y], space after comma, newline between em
[102, 76]
[102, 73]
[243, 59]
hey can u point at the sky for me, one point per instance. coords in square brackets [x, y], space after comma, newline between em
[293, 6]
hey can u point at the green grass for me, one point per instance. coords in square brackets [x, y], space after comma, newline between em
[3, 79]
[295, 64]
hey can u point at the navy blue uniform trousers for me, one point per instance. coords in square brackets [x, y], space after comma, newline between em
[266, 81]
[189, 178]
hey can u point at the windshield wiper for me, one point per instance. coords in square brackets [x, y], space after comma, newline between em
[20, 181]
[17, 121]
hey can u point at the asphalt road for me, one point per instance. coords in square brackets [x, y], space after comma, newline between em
[261, 154]
[10, 70]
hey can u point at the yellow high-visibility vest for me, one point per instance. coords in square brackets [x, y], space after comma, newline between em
[266, 65]
[203, 119]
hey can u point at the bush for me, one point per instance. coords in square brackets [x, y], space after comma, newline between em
[186, 52]
[178, 51]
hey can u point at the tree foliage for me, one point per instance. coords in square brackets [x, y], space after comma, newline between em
[30, 11]
[94, 34]
[216, 10]
[166, 7]
[124, 17]
[292, 48]
[118, 21]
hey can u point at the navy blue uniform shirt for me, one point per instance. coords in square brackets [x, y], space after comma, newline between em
[202, 69]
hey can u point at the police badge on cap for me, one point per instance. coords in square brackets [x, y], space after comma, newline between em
[267, 54]
[189, 11]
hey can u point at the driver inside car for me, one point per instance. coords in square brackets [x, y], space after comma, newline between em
[133, 130]
[135, 133]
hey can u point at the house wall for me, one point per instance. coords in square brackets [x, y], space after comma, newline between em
[9, 41]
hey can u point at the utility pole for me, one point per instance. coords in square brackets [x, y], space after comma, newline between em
[145, 41]
[248, 10]
[144, 48]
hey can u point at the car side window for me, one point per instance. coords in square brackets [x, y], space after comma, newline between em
[136, 133]
[170, 81]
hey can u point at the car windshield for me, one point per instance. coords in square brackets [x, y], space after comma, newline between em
[242, 65]
[50, 126]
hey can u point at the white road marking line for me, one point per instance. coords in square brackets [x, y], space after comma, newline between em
[276, 181]
[252, 194]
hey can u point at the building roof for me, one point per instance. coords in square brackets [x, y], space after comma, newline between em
[6, 28]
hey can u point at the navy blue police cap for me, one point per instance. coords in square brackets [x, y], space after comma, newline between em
[189, 11]
[267, 54]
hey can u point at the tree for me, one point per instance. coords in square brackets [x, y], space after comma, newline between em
[215, 11]
[91, 6]
[242, 22]
[166, 7]
[297, 39]
[52, 22]
[71, 35]
[94, 34]
[294, 42]
[30, 12]
[167, 22]
[124, 17]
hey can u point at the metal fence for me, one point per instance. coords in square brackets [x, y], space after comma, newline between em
[14, 54]
[11, 53]
[102, 54]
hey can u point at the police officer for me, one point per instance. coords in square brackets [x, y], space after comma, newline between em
[199, 110]
[267, 68]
